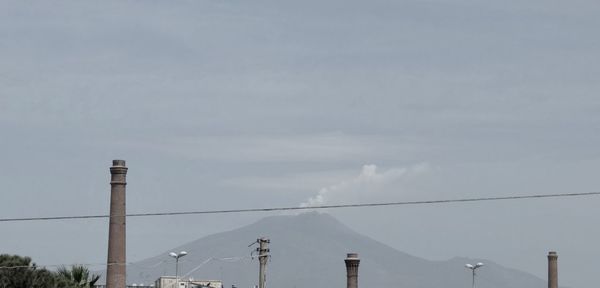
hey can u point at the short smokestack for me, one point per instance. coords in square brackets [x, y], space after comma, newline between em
[115, 266]
[552, 270]
[352, 262]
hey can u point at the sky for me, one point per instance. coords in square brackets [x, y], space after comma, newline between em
[225, 104]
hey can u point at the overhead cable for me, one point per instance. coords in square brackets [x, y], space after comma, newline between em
[358, 205]
[226, 259]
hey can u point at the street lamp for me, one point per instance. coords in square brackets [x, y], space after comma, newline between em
[473, 268]
[177, 256]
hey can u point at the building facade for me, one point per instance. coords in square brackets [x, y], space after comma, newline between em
[170, 282]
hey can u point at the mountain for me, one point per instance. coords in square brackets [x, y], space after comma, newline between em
[308, 250]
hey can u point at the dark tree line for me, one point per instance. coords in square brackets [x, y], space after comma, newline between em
[19, 272]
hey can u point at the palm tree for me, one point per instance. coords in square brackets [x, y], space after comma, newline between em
[79, 275]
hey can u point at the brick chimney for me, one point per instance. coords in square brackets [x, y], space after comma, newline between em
[352, 262]
[552, 270]
[115, 266]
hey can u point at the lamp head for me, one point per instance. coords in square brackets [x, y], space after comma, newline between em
[469, 266]
[478, 265]
[173, 254]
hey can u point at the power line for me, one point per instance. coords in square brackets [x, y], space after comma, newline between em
[359, 205]
[59, 265]
[226, 259]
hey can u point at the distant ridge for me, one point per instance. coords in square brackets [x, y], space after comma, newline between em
[309, 249]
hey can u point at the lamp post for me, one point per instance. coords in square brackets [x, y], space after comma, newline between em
[177, 256]
[473, 268]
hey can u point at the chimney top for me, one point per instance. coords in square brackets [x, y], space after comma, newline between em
[119, 163]
[352, 256]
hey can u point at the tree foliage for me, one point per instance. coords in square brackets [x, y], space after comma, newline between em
[19, 272]
[79, 275]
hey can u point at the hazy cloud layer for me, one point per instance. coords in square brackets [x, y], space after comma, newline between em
[238, 104]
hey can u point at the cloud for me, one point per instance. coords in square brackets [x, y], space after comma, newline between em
[269, 148]
[369, 185]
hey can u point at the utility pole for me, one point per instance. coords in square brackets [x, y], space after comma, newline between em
[263, 256]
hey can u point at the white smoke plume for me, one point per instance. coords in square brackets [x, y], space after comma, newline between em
[369, 185]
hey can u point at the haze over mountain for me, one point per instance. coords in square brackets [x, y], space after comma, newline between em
[308, 250]
[232, 104]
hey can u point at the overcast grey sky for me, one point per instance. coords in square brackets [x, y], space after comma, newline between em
[237, 104]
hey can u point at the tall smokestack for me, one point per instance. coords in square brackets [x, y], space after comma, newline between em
[552, 270]
[115, 266]
[352, 270]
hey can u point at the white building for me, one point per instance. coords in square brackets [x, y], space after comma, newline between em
[169, 282]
